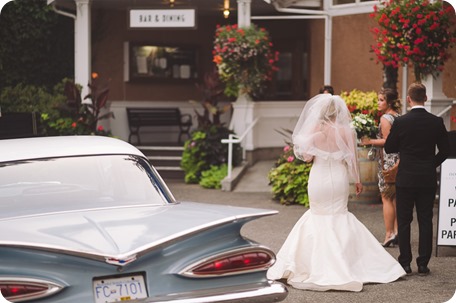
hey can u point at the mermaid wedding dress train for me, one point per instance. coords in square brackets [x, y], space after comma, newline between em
[328, 248]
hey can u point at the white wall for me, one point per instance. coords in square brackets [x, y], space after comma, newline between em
[119, 125]
[272, 115]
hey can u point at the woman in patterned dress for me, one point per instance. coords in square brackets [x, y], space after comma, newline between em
[389, 105]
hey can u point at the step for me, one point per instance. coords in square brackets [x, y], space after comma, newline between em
[165, 159]
[149, 148]
[162, 152]
[168, 168]
[170, 172]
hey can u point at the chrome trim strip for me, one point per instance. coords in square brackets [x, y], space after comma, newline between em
[140, 250]
[53, 288]
[268, 292]
[187, 272]
[64, 212]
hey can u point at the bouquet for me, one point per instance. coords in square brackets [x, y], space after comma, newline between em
[364, 125]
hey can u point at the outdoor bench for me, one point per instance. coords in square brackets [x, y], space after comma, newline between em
[138, 118]
[19, 125]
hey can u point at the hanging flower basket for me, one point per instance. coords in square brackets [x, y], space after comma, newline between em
[244, 58]
[417, 33]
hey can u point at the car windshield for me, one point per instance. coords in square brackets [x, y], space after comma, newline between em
[74, 183]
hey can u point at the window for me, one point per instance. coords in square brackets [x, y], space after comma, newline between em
[291, 82]
[163, 62]
[284, 75]
[74, 183]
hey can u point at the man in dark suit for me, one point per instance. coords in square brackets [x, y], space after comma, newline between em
[415, 137]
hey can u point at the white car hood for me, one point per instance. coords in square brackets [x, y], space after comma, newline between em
[117, 233]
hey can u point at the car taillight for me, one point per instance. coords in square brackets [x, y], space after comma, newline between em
[234, 262]
[23, 289]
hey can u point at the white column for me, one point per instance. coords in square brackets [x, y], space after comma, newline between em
[404, 88]
[243, 107]
[244, 13]
[243, 116]
[328, 48]
[437, 100]
[82, 45]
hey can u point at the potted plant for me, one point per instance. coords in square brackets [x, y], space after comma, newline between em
[244, 58]
[416, 33]
[364, 110]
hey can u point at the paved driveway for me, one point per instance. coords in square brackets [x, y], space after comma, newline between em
[438, 287]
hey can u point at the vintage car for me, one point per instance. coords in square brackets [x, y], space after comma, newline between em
[88, 219]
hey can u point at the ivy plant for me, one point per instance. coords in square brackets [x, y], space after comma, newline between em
[213, 177]
[289, 179]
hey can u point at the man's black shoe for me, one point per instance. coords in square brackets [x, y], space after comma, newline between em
[423, 270]
[407, 269]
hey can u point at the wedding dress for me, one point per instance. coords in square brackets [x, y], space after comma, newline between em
[328, 248]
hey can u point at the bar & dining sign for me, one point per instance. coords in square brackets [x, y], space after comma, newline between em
[162, 18]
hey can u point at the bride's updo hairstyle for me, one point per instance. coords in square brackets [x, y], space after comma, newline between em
[392, 98]
[328, 112]
[333, 109]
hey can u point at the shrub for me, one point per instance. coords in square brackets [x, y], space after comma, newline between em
[213, 177]
[193, 157]
[359, 102]
[76, 117]
[289, 179]
[30, 98]
[61, 110]
[205, 149]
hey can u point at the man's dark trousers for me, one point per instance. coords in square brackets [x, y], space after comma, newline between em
[423, 199]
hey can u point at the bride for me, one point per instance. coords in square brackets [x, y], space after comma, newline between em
[328, 248]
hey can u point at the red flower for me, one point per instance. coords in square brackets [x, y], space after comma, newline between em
[426, 47]
[232, 52]
[418, 41]
[73, 125]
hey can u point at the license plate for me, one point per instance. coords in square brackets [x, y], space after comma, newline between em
[119, 289]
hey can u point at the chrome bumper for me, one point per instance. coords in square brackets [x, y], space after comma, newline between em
[256, 293]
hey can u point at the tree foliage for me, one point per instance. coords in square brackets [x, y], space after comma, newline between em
[37, 44]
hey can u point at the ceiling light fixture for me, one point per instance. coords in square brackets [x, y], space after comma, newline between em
[226, 8]
[171, 3]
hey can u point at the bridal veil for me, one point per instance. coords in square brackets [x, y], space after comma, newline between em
[324, 130]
